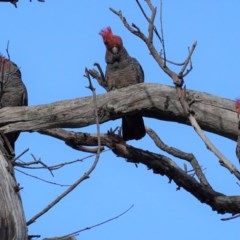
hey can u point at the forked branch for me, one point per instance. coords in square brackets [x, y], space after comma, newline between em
[177, 80]
[159, 164]
[189, 157]
[86, 175]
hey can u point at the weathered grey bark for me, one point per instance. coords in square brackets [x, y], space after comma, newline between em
[12, 93]
[12, 219]
[213, 113]
[64, 238]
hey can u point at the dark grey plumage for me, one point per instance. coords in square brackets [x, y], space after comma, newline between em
[123, 70]
[12, 90]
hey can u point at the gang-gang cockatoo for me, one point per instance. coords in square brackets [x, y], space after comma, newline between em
[12, 90]
[123, 70]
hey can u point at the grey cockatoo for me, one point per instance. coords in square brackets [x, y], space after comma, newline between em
[123, 70]
[12, 90]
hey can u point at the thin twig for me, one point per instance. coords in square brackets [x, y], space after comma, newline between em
[14, 2]
[148, 20]
[20, 155]
[188, 61]
[7, 50]
[43, 180]
[151, 20]
[98, 224]
[178, 81]
[160, 37]
[210, 146]
[162, 32]
[230, 218]
[172, 62]
[42, 163]
[28, 165]
[142, 10]
[181, 155]
[86, 175]
[150, 46]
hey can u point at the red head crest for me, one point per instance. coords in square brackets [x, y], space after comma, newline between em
[110, 40]
[237, 105]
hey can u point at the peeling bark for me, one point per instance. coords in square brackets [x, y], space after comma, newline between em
[213, 113]
[12, 219]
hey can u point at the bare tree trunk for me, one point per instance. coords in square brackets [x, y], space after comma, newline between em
[12, 219]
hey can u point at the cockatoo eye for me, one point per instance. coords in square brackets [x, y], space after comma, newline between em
[115, 50]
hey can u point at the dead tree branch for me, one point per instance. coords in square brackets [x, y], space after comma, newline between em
[214, 114]
[154, 100]
[98, 224]
[149, 43]
[14, 2]
[42, 180]
[86, 175]
[159, 164]
[189, 157]
[177, 80]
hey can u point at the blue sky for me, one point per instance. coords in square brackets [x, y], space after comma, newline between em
[53, 42]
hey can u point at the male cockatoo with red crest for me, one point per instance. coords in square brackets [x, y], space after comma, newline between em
[122, 70]
[237, 106]
[12, 90]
